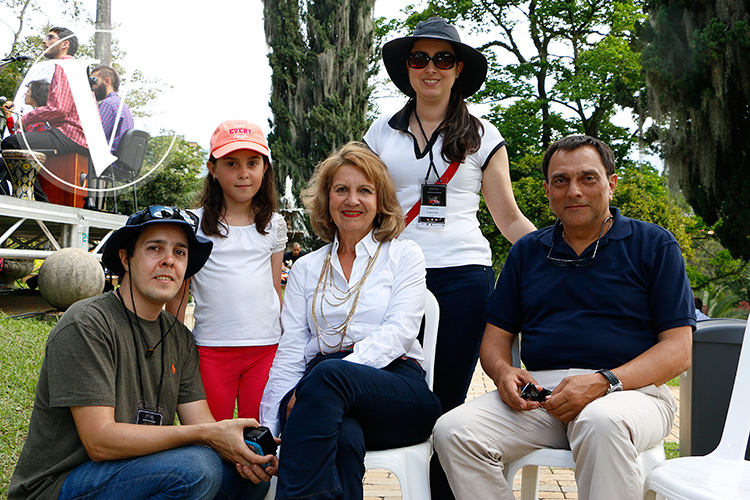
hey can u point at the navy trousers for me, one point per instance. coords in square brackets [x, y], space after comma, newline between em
[343, 409]
[463, 293]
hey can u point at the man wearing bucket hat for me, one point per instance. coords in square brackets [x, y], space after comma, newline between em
[116, 372]
[441, 157]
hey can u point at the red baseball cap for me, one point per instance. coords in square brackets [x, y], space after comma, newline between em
[232, 135]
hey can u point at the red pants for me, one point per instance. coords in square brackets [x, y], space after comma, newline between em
[235, 374]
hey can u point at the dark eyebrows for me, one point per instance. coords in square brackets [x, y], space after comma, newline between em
[591, 171]
[162, 241]
[584, 172]
[233, 158]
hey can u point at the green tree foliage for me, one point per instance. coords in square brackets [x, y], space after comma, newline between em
[28, 20]
[556, 67]
[723, 303]
[712, 269]
[641, 193]
[321, 57]
[696, 60]
[177, 181]
[12, 74]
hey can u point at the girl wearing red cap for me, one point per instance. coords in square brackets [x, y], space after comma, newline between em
[238, 291]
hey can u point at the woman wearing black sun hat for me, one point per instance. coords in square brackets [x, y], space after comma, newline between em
[436, 150]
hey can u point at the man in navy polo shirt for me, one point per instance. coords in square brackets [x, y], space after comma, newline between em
[607, 316]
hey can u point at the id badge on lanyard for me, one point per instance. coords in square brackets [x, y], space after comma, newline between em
[146, 414]
[432, 206]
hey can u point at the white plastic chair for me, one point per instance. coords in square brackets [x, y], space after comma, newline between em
[563, 459]
[410, 464]
[724, 473]
[559, 458]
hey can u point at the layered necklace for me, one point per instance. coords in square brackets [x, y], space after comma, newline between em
[328, 292]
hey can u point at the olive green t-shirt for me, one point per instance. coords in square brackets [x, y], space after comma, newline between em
[90, 360]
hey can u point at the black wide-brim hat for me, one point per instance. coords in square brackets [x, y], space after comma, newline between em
[397, 51]
[199, 248]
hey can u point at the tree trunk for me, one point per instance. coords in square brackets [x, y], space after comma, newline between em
[103, 35]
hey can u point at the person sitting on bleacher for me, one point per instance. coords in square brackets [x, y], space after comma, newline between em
[66, 133]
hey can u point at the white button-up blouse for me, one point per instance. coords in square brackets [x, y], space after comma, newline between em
[384, 327]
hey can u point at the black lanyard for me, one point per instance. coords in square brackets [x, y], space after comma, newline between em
[432, 167]
[148, 352]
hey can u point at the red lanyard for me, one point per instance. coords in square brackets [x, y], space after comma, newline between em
[444, 179]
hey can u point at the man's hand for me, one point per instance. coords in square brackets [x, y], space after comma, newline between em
[496, 357]
[573, 394]
[509, 384]
[225, 437]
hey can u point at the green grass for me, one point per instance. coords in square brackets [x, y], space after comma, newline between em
[21, 351]
[672, 449]
[675, 381]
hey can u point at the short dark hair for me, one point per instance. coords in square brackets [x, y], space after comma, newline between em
[39, 91]
[574, 142]
[67, 35]
[111, 73]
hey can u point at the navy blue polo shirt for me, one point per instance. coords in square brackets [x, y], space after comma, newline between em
[598, 316]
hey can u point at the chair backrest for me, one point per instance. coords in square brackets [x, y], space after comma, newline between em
[737, 426]
[429, 341]
[132, 150]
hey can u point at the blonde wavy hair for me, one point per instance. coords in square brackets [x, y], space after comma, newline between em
[388, 223]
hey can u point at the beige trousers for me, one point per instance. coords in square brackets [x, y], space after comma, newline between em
[473, 441]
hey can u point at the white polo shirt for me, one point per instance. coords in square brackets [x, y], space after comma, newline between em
[460, 242]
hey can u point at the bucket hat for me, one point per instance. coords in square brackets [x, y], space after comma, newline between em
[232, 135]
[199, 248]
[397, 51]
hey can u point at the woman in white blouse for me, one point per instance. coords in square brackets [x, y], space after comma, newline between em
[347, 375]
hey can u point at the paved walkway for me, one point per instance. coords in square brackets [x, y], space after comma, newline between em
[554, 483]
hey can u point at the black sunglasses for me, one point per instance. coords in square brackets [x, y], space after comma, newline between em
[585, 261]
[165, 213]
[441, 60]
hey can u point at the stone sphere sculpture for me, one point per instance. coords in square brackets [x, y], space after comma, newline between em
[68, 276]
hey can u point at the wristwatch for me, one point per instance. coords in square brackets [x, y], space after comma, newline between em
[614, 383]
